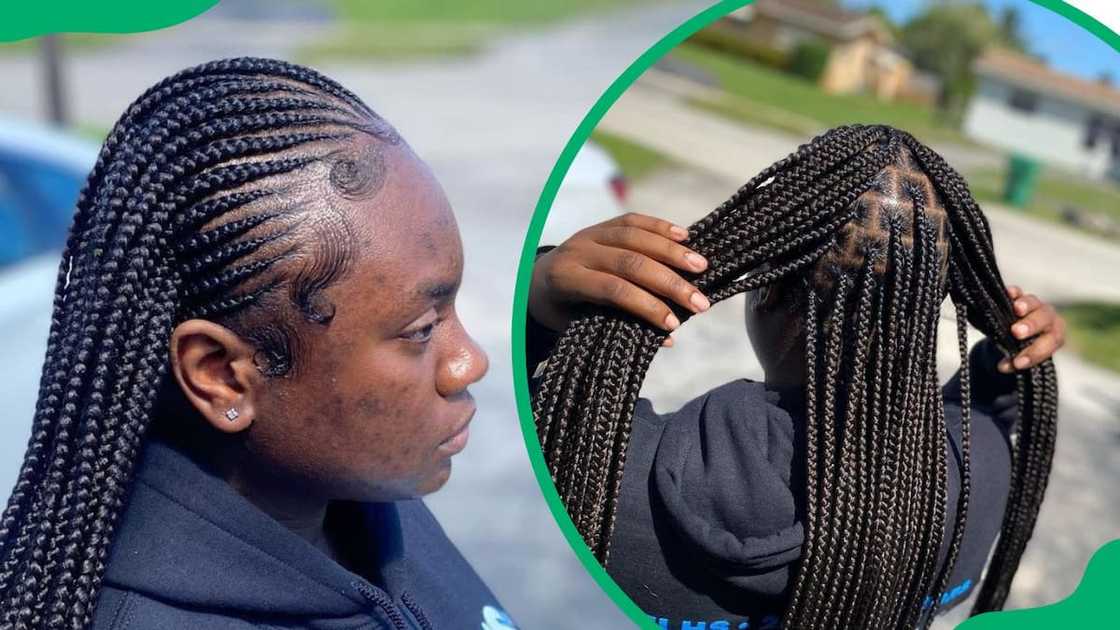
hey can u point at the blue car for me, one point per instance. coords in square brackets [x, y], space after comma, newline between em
[41, 172]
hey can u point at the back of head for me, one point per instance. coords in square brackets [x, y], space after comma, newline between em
[867, 230]
[900, 212]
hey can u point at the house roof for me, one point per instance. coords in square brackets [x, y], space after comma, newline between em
[1025, 72]
[828, 20]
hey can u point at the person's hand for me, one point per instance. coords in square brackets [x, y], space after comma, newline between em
[1036, 319]
[628, 263]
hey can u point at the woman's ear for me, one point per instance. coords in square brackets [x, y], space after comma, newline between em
[216, 372]
[769, 297]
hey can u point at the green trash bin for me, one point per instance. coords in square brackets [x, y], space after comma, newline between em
[1022, 175]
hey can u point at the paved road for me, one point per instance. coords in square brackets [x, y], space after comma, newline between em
[491, 126]
[1074, 266]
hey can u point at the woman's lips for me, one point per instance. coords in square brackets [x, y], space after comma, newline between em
[458, 441]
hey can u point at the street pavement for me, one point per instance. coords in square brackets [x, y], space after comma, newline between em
[1052, 260]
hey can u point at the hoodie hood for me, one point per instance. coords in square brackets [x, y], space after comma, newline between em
[725, 480]
[183, 523]
[189, 541]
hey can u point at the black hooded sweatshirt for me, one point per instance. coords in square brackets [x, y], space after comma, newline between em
[192, 553]
[707, 535]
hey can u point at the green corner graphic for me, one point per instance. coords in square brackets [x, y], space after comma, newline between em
[1079, 611]
[29, 19]
[1092, 604]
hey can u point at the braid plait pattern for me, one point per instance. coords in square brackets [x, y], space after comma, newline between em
[183, 215]
[872, 231]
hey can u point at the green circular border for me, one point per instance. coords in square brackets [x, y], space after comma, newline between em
[24, 19]
[532, 238]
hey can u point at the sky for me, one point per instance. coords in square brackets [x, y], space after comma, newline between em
[1062, 43]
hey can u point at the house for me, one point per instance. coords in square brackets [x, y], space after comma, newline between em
[861, 56]
[1024, 106]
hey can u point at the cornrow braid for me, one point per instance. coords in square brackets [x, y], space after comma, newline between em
[185, 214]
[870, 231]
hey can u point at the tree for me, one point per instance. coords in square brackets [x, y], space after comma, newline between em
[879, 12]
[945, 41]
[1010, 36]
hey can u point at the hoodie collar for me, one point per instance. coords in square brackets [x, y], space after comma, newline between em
[727, 479]
[189, 539]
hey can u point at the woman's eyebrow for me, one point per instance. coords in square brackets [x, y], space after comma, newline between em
[438, 290]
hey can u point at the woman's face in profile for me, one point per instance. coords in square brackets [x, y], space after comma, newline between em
[379, 404]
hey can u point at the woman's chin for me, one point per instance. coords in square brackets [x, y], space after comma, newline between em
[380, 492]
[438, 479]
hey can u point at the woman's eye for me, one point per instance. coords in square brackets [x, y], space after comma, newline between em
[421, 335]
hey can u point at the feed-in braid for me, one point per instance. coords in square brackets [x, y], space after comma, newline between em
[185, 214]
[869, 231]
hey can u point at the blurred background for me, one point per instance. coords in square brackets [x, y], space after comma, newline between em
[488, 92]
[1020, 100]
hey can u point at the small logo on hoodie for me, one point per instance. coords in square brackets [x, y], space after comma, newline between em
[496, 619]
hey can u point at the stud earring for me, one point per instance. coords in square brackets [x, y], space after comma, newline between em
[232, 414]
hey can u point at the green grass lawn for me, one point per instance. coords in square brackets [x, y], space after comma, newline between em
[753, 113]
[418, 28]
[1054, 190]
[1094, 331]
[457, 11]
[70, 41]
[94, 132]
[757, 94]
[360, 41]
[635, 160]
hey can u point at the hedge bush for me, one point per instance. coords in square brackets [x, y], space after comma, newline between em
[809, 59]
[729, 39]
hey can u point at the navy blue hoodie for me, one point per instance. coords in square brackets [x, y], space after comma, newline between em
[192, 553]
[708, 535]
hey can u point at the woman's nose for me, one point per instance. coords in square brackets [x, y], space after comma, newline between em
[466, 365]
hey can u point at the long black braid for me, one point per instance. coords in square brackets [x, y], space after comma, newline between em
[193, 209]
[870, 230]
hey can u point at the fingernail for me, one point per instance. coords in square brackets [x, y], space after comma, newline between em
[1020, 330]
[668, 343]
[671, 322]
[1003, 366]
[1021, 362]
[700, 302]
[696, 261]
[1021, 307]
[678, 232]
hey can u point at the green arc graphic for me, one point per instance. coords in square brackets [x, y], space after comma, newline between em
[1088, 607]
[1076, 612]
[30, 19]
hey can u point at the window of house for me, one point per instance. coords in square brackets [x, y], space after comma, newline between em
[1094, 131]
[1100, 130]
[1023, 100]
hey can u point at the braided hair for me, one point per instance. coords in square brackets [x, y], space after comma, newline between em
[870, 230]
[195, 208]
